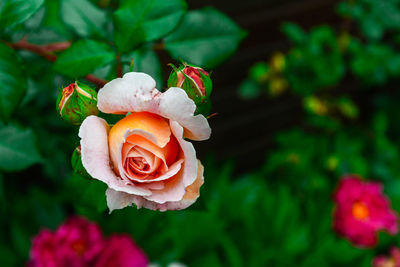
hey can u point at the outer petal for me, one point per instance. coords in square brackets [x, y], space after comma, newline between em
[191, 195]
[136, 92]
[118, 200]
[177, 106]
[95, 156]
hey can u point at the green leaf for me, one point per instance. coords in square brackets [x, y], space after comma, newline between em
[249, 89]
[145, 20]
[17, 148]
[89, 193]
[13, 82]
[20, 239]
[145, 60]
[205, 37]
[52, 18]
[83, 57]
[294, 32]
[84, 18]
[13, 12]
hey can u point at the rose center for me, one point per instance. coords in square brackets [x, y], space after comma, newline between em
[139, 163]
[360, 211]
[79, 247]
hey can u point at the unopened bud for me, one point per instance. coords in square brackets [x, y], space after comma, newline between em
[197, 84]
[77, 101]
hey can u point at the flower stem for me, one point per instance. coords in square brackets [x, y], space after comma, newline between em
[119, 66]
[47, 51]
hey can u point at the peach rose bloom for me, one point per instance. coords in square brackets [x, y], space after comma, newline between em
[144, 158]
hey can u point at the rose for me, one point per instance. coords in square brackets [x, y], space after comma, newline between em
[144, 158]
[362, 210]
[121, 251]
[80, 243]
[76, 243]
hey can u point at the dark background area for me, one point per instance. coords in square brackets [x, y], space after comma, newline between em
[245, 130]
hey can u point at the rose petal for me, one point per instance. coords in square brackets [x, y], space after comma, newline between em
[177, 106]
[136, 92]
[191, 195]
[120, 200]
[175, 187]
[95, 155]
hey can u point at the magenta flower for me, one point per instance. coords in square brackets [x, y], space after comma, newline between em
[388, 261]
[120, 251]
[76, 243]
[362, 210]
[80, 243]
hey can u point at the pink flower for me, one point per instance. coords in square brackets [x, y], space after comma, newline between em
[76, 243]
[80, 243]
[120, 251]
[388, 261]
[144, 158]
[362, 210]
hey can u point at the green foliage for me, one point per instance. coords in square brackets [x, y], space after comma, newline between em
[318, 57]
[205, 38]
[13, 82]
[83, 17]
[83, 57]
[375, 18]
[17, 148]
[141, 21]
[318, 60]
[145, 60]
[13, 12]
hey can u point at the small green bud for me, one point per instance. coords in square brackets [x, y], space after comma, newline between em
[77, 101]
[197, 84]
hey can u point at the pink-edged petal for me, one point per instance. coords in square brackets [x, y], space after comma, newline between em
[177, 106]
[136, 92]
[190, 197]
[174, 189]
[157, 185]
[95, 156]
[118, 200]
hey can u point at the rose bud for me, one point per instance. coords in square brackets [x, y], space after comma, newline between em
[197, 84]
[76, 102]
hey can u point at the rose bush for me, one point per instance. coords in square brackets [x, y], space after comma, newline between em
[144, 158]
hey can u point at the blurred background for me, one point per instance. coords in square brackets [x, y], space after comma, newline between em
[305, 92]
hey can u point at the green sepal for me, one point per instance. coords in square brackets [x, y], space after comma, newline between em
[76, 163]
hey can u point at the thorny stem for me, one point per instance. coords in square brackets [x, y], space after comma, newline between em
[47, 51]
